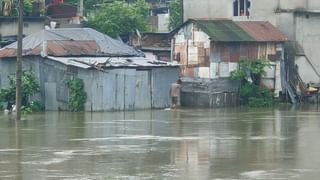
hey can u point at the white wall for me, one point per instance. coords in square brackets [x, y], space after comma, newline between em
[163, 22]
[306, 71]
[308, 35]
[293, 4]
[313, 4]
[286, 24]
[11, 28]
[224, 9]
[196, 9]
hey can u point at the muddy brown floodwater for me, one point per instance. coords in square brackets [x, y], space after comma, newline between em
[218, 144]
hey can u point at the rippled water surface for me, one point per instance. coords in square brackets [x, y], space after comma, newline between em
[220, 144]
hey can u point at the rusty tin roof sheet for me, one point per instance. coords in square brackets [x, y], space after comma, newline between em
[262, 31]
[70, 42]
[225, 30]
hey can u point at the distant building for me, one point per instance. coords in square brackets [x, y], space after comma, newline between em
[9, 28]
[51, 13]
[154, 45]
[159, 15]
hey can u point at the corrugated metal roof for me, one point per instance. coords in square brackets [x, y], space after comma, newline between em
[155, 48]
[70, 42]
[262, 31]
[223, 30]
[101, 63]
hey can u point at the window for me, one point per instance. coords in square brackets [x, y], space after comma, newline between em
[241, 7]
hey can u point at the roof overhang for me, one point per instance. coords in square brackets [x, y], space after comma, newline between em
[101, 63]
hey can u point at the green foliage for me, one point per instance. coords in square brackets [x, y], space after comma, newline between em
[262, 98]
[250, 73]
[141, 8]
[175, 18]
[29, 86]
[253, 69]
[33, 106]
[27, 7]
[255, 96]
[119, 17]
[26, 110]
[77, 95]
[238, 74]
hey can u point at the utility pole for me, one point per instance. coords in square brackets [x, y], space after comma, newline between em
[19, 59]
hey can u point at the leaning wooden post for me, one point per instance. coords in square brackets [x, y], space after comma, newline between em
[19, 59]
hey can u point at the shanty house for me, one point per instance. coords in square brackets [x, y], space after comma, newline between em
[209, 50]
[115, 75]
[154, 45]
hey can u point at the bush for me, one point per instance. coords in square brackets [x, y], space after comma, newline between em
[251, 92]
[118, 18]
[29, 86]
[77, 95]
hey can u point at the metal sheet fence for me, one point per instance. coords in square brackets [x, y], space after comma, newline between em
[113, 90]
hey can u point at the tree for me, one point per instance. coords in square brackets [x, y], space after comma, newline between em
[175, 16]
[27, 7]
[119, 17]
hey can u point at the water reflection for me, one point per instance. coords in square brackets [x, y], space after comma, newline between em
[183, 144]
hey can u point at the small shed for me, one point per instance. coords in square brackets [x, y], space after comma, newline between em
[155, 45]
[211, 49]
[115, 75]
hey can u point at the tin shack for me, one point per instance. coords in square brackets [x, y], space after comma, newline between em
[115, 75]
[208, 50]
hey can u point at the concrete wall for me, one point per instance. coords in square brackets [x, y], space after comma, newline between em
[260, 10]
[195, 9]
[10, 27]
[115, 89]
[163, 22]
[306, 70]
[313, 4]
[308, 35]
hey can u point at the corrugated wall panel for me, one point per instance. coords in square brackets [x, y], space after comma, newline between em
[109, 93]
[51, 103]
[94, 89]
[161, 81]
[143, 90]
[130, 90]
[119, 90]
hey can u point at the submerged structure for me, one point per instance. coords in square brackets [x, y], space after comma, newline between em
[209, 50]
